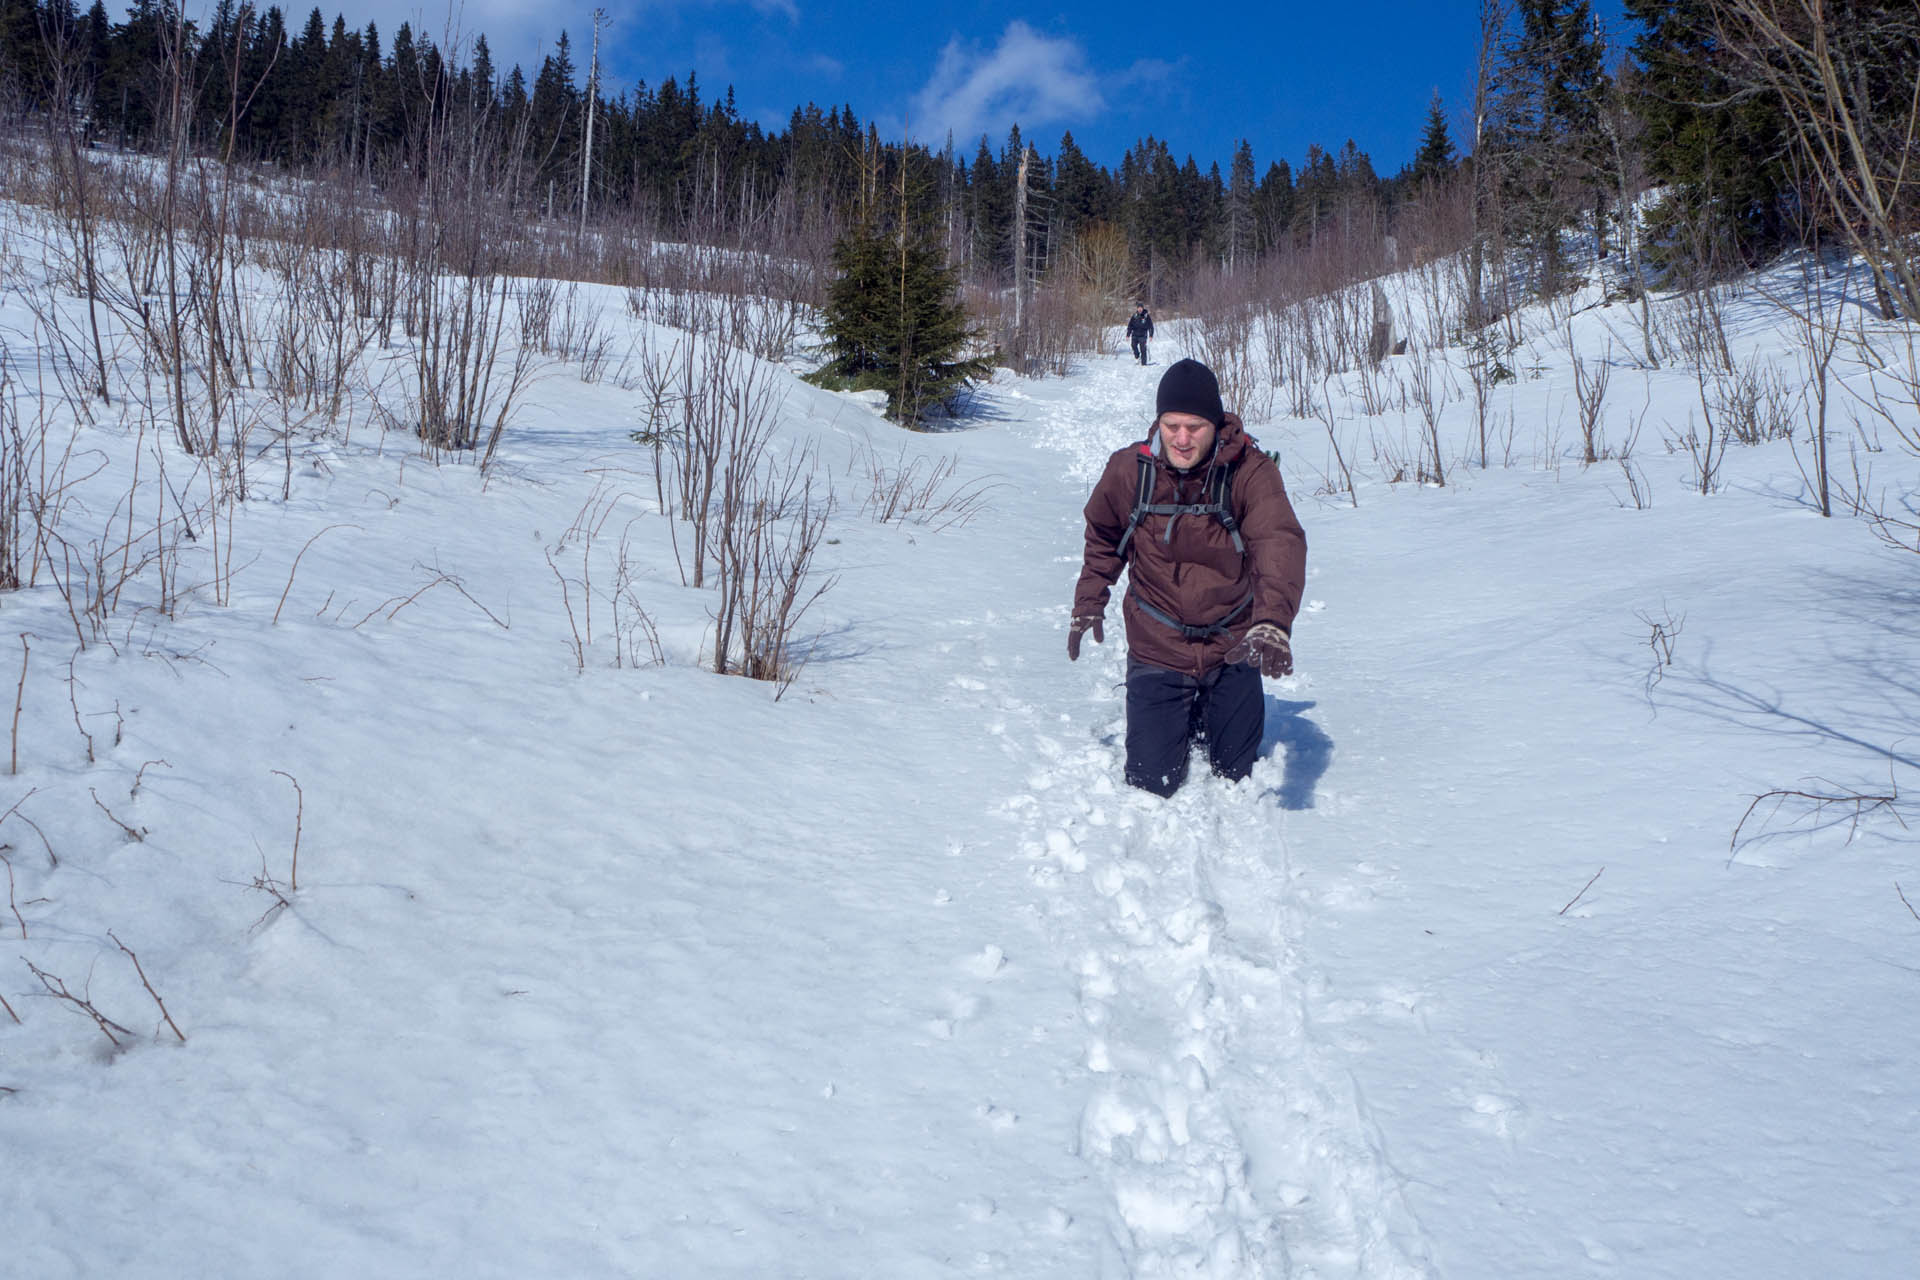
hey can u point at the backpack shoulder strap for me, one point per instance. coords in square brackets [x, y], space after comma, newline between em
[1220, 497]
[1143, 495]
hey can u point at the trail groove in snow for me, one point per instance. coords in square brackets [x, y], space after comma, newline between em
[1233, 1142]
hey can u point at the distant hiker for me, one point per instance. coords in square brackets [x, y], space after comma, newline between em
[1217, 563]
[1139, 329]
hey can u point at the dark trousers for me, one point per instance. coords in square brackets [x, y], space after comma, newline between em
[1140, 349]
[1167, 712]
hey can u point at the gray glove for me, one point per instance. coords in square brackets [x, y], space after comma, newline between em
[1074, 630]
[1267, 647]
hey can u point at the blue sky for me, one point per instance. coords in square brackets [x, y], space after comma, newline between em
[1280, 75]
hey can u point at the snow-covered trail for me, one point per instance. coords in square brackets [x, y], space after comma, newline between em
[1232, 1141]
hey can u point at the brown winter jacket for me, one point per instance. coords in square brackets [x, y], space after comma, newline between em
[1196, 577]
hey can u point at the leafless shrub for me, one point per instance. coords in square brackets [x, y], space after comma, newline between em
[1323, 409]
[711, 413]
[1590, 396]
[920, 490]
[1226, 318]
[1106, 280]
[714, 295]
[772, 522]
[632, 624]
[1888, 394]
[1481, 377]
[1639, 488]
[1662, 633]
[456, 391]
[1431, 400]
[1051, 327]
[1754, 405]
[1706, 446]
[1396, 459]
[1818, 325]
[1807, 811]
[1702, 333]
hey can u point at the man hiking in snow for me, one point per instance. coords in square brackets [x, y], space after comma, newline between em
[1217, 561]
[1139, 329]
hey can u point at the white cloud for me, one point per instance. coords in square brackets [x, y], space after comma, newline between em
[1029, 78]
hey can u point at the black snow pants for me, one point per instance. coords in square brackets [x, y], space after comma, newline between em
[1140, 347]
[1167, 712]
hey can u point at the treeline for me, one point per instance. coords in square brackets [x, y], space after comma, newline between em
[1765, 122]
[329, 95]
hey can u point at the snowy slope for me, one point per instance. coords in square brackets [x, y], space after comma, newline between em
[639, 972]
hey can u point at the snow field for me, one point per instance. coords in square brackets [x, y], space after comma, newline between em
[638, 972]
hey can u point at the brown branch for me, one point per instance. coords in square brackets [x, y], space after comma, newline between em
[456, 584]
[143, 773]
[1818, 803]
[1903, 900]
[299, 814]
[296, 566]
[1583, 891]
[10, 1014]
[149, 986]
[265, 883]
[53, 859]
[15, 907]
[19, 696]
[74, 702]
[57, 988]
[140, 836]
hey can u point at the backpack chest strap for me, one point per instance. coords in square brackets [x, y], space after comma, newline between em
[1218, 484]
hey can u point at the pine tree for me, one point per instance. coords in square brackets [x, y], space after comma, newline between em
[1721, 153]
[895, 324]
[1552, 85]
[1241, 237]
[1435, 159]
[1273, 205]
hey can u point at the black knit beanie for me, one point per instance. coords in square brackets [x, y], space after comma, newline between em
[1190, 387]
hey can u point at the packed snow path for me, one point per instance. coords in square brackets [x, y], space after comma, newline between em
[1232, 1143]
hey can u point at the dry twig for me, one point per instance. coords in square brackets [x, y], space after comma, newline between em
[139, 836]
[296, 566]
[138, 777]
[74, 702]
[19, 696]
[149, 986]
[14, 906]
[57, 988]
[1583, 891]
[299, 816]
[53, 859]
[1818, 805]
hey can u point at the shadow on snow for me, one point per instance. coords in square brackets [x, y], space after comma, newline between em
[1309, 751]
